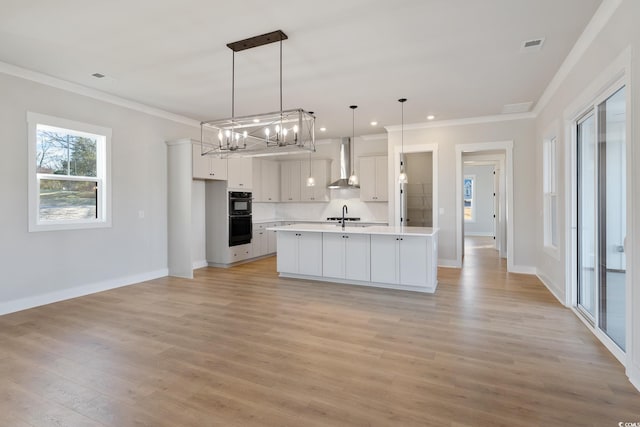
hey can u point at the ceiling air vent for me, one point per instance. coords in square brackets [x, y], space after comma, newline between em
[532, 45]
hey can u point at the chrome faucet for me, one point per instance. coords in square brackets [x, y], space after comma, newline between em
[344, 210]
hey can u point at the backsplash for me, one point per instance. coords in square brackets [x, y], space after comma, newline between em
[317, 211]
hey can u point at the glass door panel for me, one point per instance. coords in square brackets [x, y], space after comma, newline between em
[612, 216]
[586, 151]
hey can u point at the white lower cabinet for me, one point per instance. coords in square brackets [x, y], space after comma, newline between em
[239, 253]
[346, 256]
[402, 260]
[259, 240]
[272, 239]
[300, 253]
[263, 241]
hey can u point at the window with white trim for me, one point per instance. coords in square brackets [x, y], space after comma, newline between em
[468, 192]
[549, 189]
[68, 174]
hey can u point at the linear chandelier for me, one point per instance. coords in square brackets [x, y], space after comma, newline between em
[267, 133]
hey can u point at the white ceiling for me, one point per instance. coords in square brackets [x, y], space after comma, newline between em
[450, 58]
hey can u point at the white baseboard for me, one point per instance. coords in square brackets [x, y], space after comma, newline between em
[479, 233]
[633, 373]
[449, 263]
[523, 269]
[200, 264]
[78, 291]
[550, 287]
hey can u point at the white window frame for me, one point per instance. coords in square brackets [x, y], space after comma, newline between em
[473, 198]
[550, 193]
[103, 172]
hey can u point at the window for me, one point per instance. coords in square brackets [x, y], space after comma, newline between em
[550, 195]
[68, 174]
[469, 203]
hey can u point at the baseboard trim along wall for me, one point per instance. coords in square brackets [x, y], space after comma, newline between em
[200, 264]
[448, 263]
[523, 269]
[78, 291]
[479, 233]
[548, 284]
[633, 373]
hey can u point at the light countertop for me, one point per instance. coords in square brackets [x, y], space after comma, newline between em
[318, 221]
[354, 229]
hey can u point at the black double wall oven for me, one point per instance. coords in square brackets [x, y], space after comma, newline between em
[240, 223]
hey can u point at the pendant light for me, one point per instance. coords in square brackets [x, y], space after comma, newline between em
[402, 178]
[353, 178]
[311, 181]
[273, 132]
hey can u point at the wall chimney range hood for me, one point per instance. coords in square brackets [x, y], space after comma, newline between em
[345, 166]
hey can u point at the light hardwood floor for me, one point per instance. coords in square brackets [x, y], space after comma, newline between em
[242, 347]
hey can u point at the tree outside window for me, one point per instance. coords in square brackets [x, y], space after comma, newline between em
[68, 183]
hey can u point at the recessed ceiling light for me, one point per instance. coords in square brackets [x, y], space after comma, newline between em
[374, 123]
[431, 117]
[323, 129]
[98, 75]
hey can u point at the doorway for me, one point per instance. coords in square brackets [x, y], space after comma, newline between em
[418, 192]
[499, 154]
[424, 152]
[481, 195]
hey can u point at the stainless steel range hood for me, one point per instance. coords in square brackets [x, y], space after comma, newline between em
[345, 166]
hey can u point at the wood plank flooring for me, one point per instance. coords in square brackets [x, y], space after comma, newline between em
[242, 347]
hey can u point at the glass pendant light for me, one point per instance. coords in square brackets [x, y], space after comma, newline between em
[311, 181]
[353, 178]
[402, 178]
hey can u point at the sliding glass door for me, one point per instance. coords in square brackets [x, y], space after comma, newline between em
[601, 160]
[586, 215]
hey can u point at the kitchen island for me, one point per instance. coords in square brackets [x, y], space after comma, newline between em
[383, 256]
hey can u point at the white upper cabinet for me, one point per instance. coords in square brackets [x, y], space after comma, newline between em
[290, 182]
[266, 181]
[321, 172]
[270, 181]
[240, 173]
[207, 167]
[373, 179]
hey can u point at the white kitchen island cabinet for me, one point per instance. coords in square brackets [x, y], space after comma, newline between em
[390, 257]
[346, 256]
[301, 253]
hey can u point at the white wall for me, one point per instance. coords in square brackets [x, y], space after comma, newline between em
[619, 33]
[446, 137]
[40, 266]
[483, 200]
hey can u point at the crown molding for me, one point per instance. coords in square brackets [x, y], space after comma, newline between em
[374, 137]
[598, 21]
[463, 122]
[37, 77]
